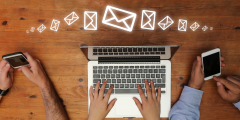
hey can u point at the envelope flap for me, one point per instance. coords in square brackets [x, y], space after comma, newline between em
[120, 15]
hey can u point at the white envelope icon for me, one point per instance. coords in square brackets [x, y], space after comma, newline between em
[113, 18]
[182, 25]
[150, 23]
[165, 22]
[41, 28]
[92, 17]
[71, 18]
[55, 24]
[194, 26]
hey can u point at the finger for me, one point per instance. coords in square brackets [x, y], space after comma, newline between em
[2, 64]
[153, 90]
[222, 58]
[26, 71]
[10, 72]
[30, 59]
[101, 92]
[140, 91]
[111, 104]
[233, 80]
[4, 71]
[159, 94]
[221, 90]
[91, 93]
[108, 94]
[222, 64]
[222, 67]
[231, 86]
[96, 90]
[138, 103]
[199, 64]
[236, 77]
[19, 69]
[149, 93]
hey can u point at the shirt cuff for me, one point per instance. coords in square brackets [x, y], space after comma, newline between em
[237, 105]
[191, 95]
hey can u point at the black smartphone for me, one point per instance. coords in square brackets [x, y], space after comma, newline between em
[16, 60]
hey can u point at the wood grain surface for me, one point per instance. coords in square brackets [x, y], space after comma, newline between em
[67, 67]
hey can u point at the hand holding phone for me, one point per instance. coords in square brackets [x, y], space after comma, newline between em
[16, 60]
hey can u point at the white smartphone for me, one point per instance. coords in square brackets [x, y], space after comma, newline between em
[211, 63]
[16, 60]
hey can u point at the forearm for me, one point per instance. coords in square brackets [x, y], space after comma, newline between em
[0, 98]
[187, 107]
[53, 107]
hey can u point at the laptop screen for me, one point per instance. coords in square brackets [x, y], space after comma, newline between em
[129, 52]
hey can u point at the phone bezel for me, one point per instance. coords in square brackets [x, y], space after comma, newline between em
[207, 54]
[13, 55]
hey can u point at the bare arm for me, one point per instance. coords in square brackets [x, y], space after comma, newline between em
[0, 98]
[53, 107]
[35, 73]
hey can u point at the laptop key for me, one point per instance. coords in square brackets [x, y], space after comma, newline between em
[137, 75]
[146, 53]
[126, 85]
[161, 49]
[139, 49]
[134, 70]
[96, 76]
[117, 75]
[105, 71]
[119, 49]
[141, 53]
[110, 67]
[152, 75]
[121, 85]
[144, 49]
[113, 80]
[155, 70]
[129, 70]
[99, 71]
[119, 70]
[105, 53]
[150, 71]
[123, 91]
[96, 80]
[159, 80]
[107, 75]
[116, 86]
[125, 53]
[163, 76]
[120, 53]
[94, 71]
[94, 67]
[136, 53]
[149, 49]
[109, 49]
[112, 75]
[107, 86]
[109, 70]
[108, 80]
[140, 70]
[147, 75]
[157, 52]
[128, 80]
[99, 50]
[118, 80]
[104, 50]
[114, 70]
[124, 49]
[163, 53]
[129, 49]
[131, 85]
[162, 71]
[152, 53]
[163, 66]
[157, 75]
[94, 53]
[94, 50]
[133, 80]
[120, 67]
[154, 80]
[115, 53]
[102, 75]
[134, 49]
[138, 80]
[154, 49]
[110, 53]
[142, 75]
[114, 50]
[132, 75]
[142, 85]
[123, 80]
[131, 53]
[123, 76]
[145, 71]
[127, 75]
[159, 85]
[124, 70]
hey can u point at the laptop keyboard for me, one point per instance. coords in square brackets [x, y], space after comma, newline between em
[129, 51]
[126, 78]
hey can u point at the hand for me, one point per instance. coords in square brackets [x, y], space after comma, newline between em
[229, 88]
[99, 107]
[35, 71]
[6, 75]
[197, 76]
[150, 107]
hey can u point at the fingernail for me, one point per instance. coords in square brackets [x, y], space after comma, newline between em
[145, 80]
[198, 59]
[218, 83]
[7, 65]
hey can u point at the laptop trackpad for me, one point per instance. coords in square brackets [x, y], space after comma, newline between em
[125, 106]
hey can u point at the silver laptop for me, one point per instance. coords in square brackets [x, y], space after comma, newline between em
[125, 67]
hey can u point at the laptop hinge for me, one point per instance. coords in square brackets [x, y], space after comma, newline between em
[130, 60]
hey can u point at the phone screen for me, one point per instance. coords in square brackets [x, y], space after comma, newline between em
[211, 64]
[17, 61]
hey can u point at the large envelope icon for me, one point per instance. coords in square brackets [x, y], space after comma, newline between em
[71, 18]
[182, 25]
[125, 26]
[150, 24]
[165, 22]
[92, 17]
[55, 24]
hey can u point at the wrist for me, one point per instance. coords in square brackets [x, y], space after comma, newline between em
[45, 84]
[195, 87]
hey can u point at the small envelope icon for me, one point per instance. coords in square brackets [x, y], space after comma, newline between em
[194, 26]
[182, 25]
[55, 24]
[41, 28]
[71, 18]
[92, 17]
[150, 23]
[120, 23]
[165, 22]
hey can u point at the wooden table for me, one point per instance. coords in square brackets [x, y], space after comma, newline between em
[67, 67]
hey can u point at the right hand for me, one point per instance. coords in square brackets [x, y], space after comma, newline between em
[35, 71]
[150, 107]
[229, 88]
[6, 75]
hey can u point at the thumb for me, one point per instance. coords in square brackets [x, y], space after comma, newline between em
[139, 105]
[221, 90]
[5, 70]
[26, 70]
[111, 104]
[199, 62]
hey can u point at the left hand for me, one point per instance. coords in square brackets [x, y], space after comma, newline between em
[6, 75]
[99, 107]
[197, 75]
